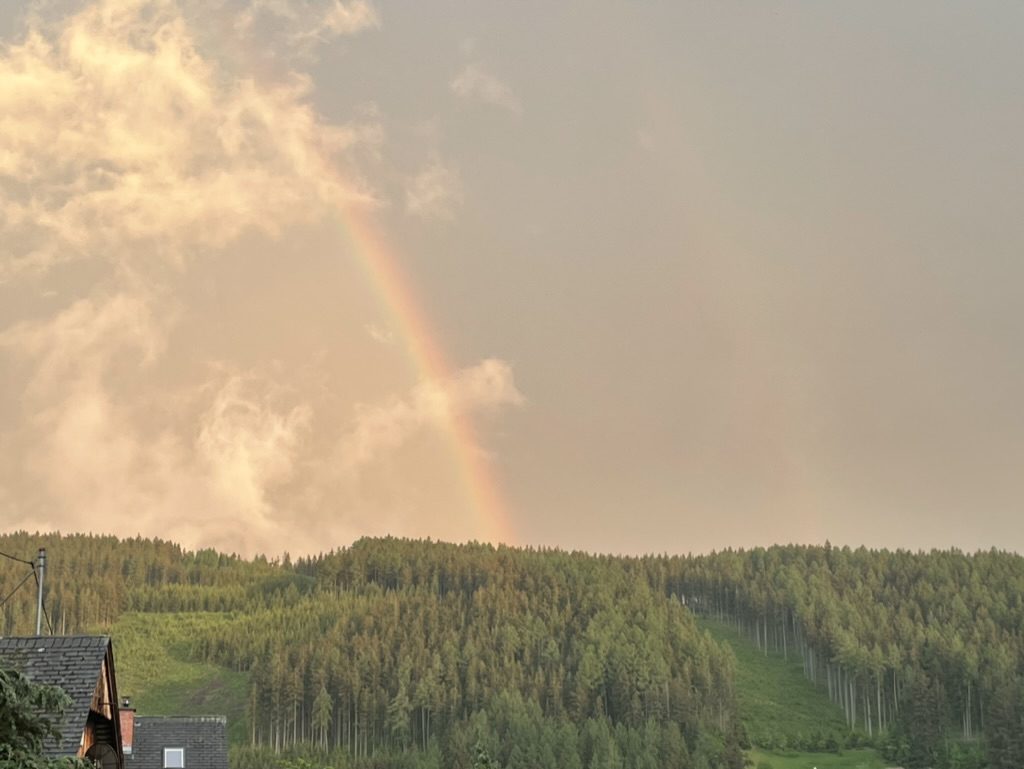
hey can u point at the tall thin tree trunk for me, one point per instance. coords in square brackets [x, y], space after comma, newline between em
[853, 702]
[785, 647]
[895, 694]
[867, 711]
[878, 700]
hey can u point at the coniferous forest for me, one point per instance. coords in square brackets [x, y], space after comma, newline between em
[397, 653]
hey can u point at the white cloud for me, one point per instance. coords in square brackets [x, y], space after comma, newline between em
[378, 334]
[381, 429]
[474, 82]
[131, 151]
[434, 192]
[198, 465]
[188, 161]
[351, 18]
[303, 25]
[80, 343]
[124, 145]
[80, 449]
[247, 445]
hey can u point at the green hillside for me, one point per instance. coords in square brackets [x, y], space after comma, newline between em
[397, 653]
[157, 670]
[847, 759]
[780, 708]
[778, 705]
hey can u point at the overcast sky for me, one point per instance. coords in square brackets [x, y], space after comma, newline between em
[704, 273]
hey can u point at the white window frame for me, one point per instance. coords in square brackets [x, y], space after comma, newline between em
[180, 756]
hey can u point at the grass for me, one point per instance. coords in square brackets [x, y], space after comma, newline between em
[848, 759]
[155, 669]
[778, 705]
[774, 696]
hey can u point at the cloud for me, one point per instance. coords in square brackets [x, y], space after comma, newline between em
[476, 83]
[102, 448]
[342, 19]
[378, 334]
[82, 454]
[80, 344]
[234, 462]
[381, 429]
[134, 161]
[190, 161]
[247, 445]
[302, 25]
[434, 192]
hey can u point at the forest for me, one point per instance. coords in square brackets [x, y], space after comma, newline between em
[407, 653]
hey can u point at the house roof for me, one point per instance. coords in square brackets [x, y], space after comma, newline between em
[74, 663]
[204, 738]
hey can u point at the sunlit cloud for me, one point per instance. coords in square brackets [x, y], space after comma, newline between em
[210, 464]
[134, 155]
[247, 444]
[189, 161]
[80, 343]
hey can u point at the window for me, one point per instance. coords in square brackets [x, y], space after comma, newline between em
[174, 758]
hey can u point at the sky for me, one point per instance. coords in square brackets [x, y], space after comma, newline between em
[619, 277]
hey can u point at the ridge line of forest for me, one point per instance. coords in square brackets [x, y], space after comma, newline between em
[410, 651]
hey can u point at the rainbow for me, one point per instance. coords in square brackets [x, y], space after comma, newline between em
[428, 359]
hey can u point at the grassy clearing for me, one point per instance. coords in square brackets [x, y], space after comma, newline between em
[849, 759]
[154, 668]
[779, 705]
[774, 696]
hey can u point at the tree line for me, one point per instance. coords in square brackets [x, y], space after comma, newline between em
[408, 646]
[924, 652]
[397, 652]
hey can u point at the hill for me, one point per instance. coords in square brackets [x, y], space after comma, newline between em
[401, 653]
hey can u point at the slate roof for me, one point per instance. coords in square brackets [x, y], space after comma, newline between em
[74, 663]
[204, 738]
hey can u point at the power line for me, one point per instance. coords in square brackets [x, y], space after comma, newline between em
[19, 560]
[8, 596]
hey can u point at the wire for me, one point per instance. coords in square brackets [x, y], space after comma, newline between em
[19, 560]
[45, 613]
[8, 596]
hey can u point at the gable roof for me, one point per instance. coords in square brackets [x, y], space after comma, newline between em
[204, 738]
[74, 663]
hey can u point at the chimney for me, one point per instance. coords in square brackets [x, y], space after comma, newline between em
[127, 725]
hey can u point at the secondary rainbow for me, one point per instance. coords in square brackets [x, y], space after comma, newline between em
[383, 270]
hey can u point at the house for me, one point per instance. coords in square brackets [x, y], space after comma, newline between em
[174, 742]
[83, 666]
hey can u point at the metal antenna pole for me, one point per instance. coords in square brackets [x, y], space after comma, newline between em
[42, 574]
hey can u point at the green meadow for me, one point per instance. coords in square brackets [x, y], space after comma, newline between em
[780, 707]
[153, 658]
[848, 759]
